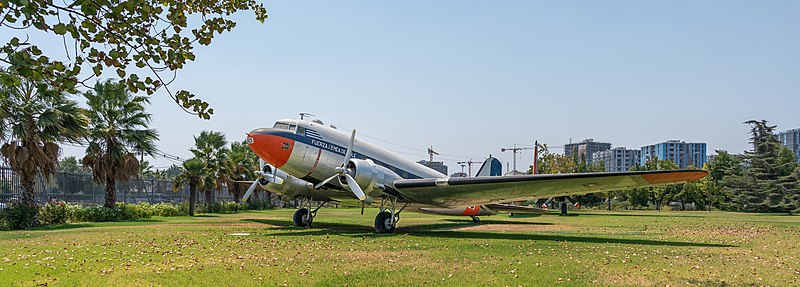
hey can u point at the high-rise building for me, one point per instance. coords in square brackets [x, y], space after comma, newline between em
[791, 139]
[586, 148]
[617, 159]
[679, 152]
[436, 165]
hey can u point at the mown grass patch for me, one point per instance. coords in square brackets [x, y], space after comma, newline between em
[594, 248]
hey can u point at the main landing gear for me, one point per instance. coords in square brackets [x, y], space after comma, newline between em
[387, 218]
[303, 217]
[475, 219]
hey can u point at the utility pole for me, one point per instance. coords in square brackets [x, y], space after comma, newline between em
[535, 168]
[515, 150]
[469, 164]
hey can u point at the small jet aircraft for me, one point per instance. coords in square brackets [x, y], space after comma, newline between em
[312, 162]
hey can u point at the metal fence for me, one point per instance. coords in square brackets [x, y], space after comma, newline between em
[79, 188]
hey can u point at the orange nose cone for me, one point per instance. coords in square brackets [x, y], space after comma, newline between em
[273, 149]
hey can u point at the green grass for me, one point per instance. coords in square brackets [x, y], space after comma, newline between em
[641, 248]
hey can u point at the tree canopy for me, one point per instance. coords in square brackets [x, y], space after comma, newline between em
[128, 37]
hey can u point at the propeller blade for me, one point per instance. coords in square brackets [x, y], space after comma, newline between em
[349, 152]
[324, 182]
[249, 191]
[351, 182]
[260, 164]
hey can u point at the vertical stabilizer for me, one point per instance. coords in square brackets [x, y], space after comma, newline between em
[491, 167]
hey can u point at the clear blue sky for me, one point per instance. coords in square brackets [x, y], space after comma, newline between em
[470, 77]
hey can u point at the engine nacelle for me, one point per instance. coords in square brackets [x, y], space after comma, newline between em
[268, 173]
[290, 186]
[369, 175]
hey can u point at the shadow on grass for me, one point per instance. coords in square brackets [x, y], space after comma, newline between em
[636, 215]
[440, 230]
[63, 226]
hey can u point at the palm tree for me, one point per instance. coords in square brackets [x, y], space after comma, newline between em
[241, 162]
[210, 148]
[33, 120]
[194, 173]
[118, 126]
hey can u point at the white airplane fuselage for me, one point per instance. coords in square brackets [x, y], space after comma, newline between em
[311, 152]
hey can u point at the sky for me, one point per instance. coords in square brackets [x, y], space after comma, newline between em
[471, 77]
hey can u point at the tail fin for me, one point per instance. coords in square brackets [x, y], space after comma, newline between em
[491, 167]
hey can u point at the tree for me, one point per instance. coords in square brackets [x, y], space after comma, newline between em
[193, 173]
[210, 148]
[154, 36]
[766, 184]
[241, 161]
[658, 194]
[71, 164]
[34, 118]
[118, 125]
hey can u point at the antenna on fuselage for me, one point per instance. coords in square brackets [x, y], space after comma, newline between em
[303, 115]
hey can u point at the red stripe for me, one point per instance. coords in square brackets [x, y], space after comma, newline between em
[471, 211]
[315, 163]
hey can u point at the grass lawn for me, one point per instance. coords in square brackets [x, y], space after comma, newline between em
[636, 248]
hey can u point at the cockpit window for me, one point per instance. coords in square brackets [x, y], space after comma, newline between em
[282, 126]
[285, 126]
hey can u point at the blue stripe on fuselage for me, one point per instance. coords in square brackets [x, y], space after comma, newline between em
[327, 146]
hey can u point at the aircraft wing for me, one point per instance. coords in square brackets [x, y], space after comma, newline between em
[467, 191]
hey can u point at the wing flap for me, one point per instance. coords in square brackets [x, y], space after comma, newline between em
[461, 191]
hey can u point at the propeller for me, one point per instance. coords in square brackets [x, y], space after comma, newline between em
[341, 171]
[268, 175]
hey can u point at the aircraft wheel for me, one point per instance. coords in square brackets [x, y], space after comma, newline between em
[476, 220]
[300, 218]
[383, 223]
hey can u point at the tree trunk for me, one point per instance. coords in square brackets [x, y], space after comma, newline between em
[236, 196]
[658, 205]
[28, 183]
[209, 196]
[111, 192]
[192, 197]
[683, 204]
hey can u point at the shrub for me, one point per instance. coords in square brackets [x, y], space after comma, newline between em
[18, 216]
[183, 209]
[258, 204]
[126, 211]
[169, 209]
[53, 213]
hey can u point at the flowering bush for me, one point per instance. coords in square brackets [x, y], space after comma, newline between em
[53, 213]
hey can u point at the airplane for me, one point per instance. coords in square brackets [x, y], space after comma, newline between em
[312, 162]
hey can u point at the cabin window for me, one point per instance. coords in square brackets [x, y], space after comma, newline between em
[293, 128]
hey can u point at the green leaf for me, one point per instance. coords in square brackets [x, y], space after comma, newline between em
[60, 29]
[121, 73]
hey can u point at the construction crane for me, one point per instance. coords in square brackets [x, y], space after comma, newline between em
[431, 153]
[469, 164]
[515, 150]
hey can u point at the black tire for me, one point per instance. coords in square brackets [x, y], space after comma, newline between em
[382, 223]
[476, 220]
[300, 218]
[564, 208]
